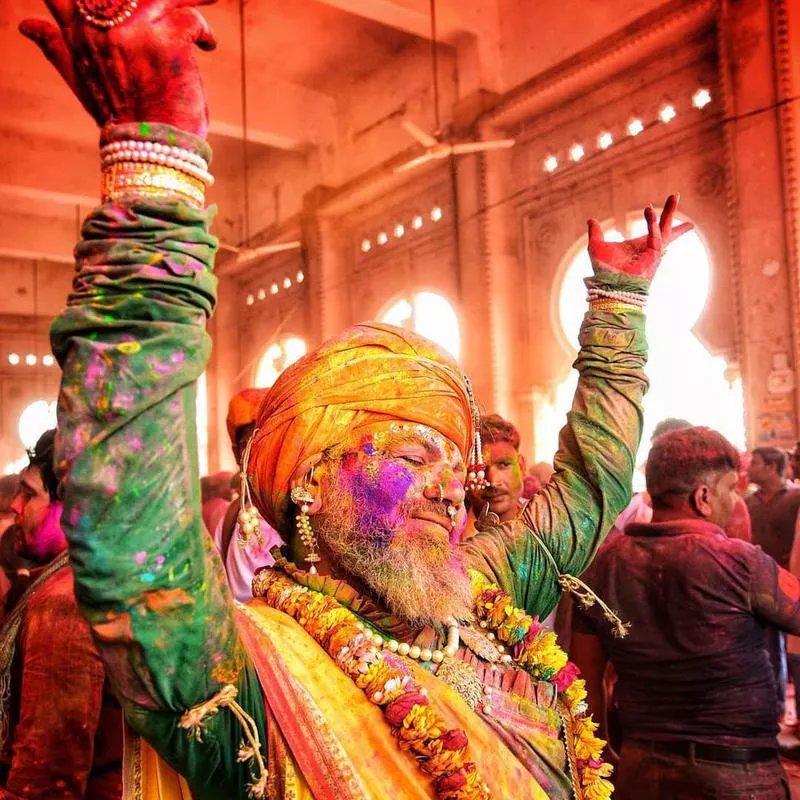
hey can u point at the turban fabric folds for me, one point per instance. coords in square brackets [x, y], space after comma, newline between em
[243, 410]
[369, 373]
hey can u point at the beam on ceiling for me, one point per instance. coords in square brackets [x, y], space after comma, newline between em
[282, 114]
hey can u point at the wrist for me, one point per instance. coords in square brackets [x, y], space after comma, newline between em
[612, 281]
[154, 161]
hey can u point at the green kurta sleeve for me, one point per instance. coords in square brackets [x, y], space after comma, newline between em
[132, 344]
[594, 463]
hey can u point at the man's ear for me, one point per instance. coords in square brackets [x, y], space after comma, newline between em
[307, 475]
[701, 501]
[523, 467]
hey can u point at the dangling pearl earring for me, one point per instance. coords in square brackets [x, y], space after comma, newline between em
[248, 517]
[476, 469]
[303, 499]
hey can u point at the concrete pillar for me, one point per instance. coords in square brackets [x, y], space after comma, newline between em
[328, 279]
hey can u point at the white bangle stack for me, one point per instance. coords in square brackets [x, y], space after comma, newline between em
[160, 154]
[631, 298]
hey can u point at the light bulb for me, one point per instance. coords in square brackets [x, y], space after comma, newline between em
[605, 140]
[287, 282]
[273, 289]
[576, 152]
[250, 300]
[399, 230]
[417, 222]
[366, 246]
[550, 164]
[383, 238]
[701, 98]
[635, 127]
[300, 277]
[261, 294]
[436, 214]
[48, 360]
[30, 360]
[13, 359]
[667, 113]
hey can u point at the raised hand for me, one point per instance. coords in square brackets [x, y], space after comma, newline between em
[138, 69]
[639, 256]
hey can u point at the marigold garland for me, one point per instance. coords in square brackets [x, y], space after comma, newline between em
[386, 680]
[539, 654]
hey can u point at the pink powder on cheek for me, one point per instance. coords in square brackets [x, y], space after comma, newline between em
[47, 539]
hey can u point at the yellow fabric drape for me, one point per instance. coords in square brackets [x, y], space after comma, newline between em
[356, 733]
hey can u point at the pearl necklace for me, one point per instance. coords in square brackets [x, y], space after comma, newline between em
[413, 651]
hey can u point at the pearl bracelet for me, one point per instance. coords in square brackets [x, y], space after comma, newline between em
[633, 298]
[155, 147]
[165, 155]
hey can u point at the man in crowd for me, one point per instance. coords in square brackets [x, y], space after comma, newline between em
[500, 500]
[61, 729]
[695, 691]
[243, 554]
[773, 517]
[356, 671]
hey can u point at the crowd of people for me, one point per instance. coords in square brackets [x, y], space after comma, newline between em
[691, 695]
[370, 607]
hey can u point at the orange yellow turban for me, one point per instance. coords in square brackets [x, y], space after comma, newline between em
[371, 372]
[243, 410]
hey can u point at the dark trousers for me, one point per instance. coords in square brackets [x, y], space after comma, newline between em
[643, 774]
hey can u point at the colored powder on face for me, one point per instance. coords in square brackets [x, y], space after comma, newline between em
[382, 486]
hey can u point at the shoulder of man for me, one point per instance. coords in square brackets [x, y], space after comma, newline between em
[55, 598]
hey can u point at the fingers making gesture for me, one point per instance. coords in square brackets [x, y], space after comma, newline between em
[640, 256]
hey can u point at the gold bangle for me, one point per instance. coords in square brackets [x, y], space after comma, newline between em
[150, 180]
[614, 306]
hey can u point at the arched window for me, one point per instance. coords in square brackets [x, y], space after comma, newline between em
[430, 315]
[685, 379]
[36, 418]
[277, 357]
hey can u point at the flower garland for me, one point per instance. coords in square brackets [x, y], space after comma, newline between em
[539, 654]
[387, 681]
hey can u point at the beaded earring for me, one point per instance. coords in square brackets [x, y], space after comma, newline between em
[476, 469]
[303, 499]
[248, 517]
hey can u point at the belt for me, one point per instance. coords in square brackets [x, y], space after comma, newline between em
[713, 752]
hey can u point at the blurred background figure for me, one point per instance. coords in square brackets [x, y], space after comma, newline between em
[217, 493]
[242, 556]
[60, 726]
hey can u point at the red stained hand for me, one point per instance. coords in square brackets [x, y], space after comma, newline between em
[142, 70]
[641, 256]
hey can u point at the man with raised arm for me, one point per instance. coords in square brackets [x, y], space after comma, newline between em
[377, 659]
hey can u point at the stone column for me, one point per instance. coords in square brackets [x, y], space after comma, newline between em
[765, 279]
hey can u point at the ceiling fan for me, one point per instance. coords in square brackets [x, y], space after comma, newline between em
[435, 147]
[246, 255]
